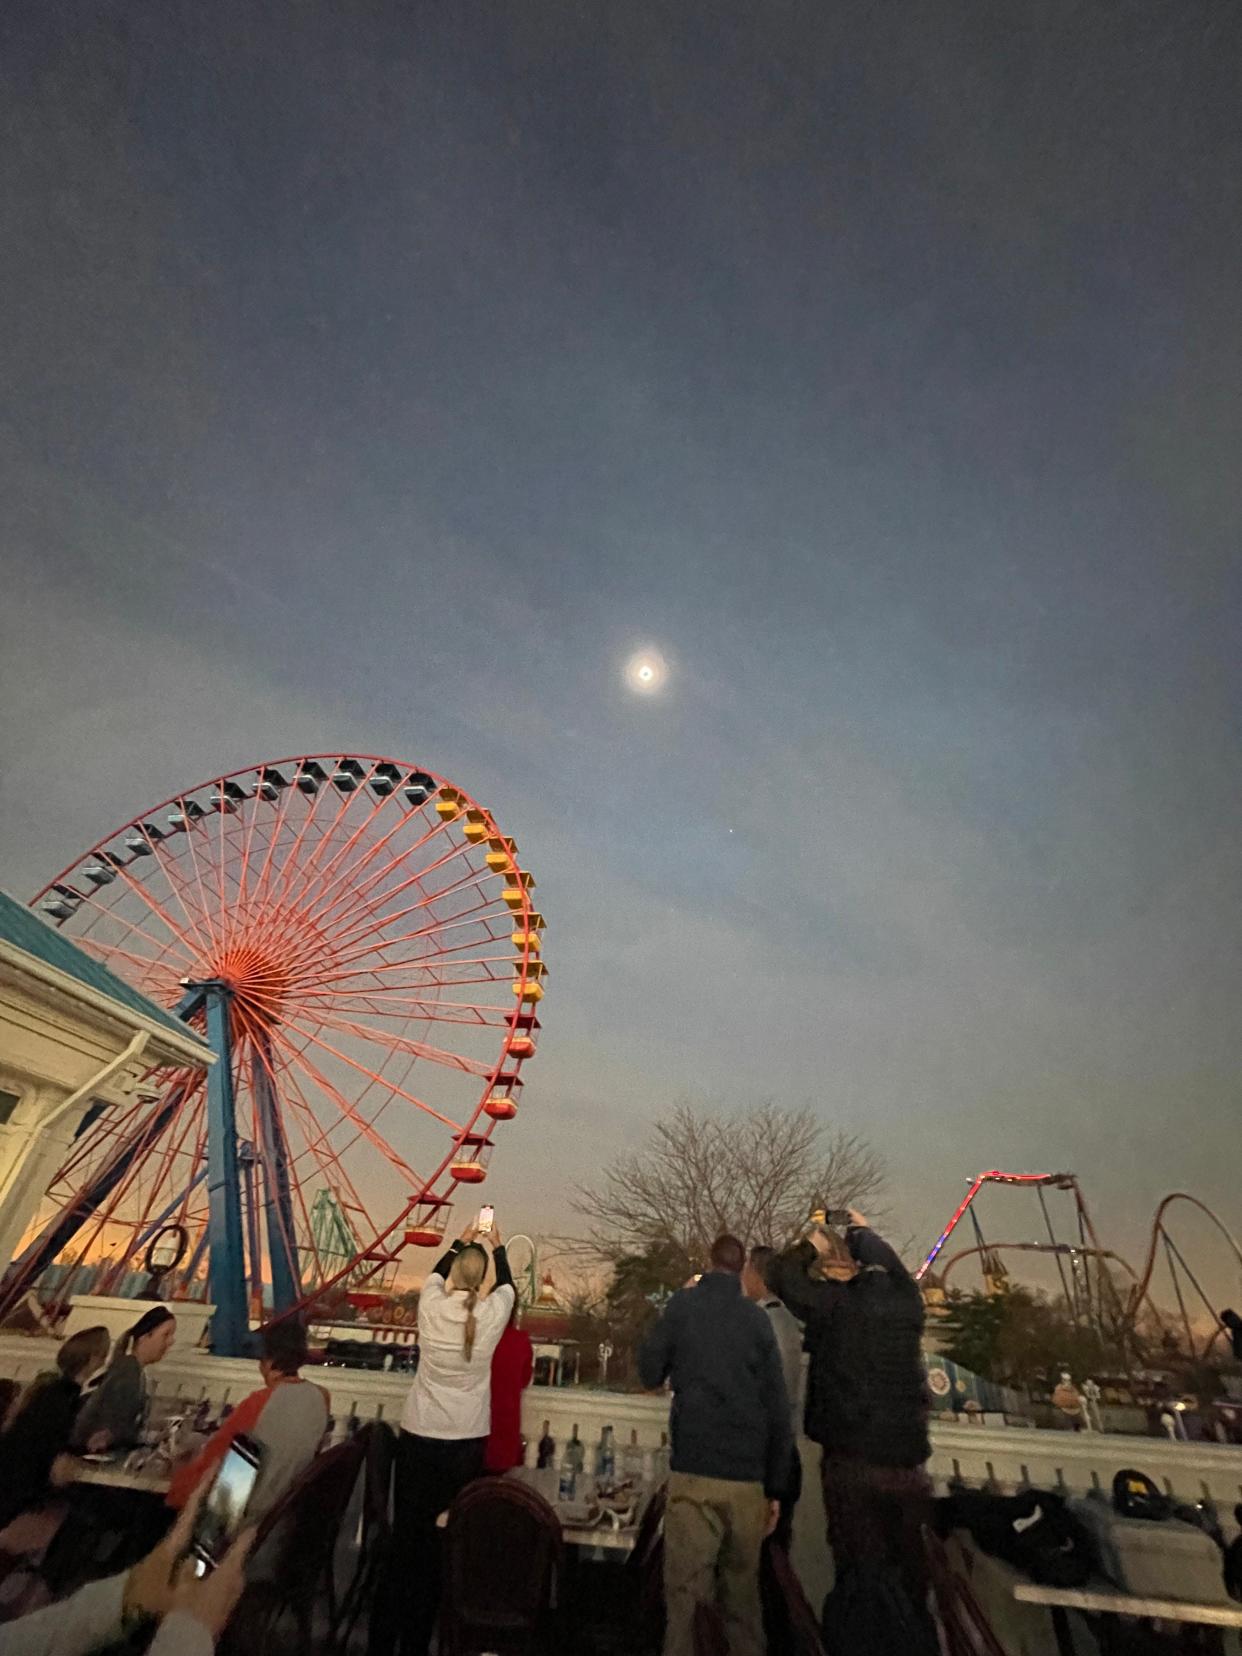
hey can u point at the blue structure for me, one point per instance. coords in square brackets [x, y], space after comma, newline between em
[230, 1236]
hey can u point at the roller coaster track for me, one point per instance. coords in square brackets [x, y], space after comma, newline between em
[1088, 1247]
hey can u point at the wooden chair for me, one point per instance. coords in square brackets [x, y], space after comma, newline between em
[645, 1570]
[791, 1625]
[378, 1443]
[967, 1631]
[301, 1531]
[502, 1557]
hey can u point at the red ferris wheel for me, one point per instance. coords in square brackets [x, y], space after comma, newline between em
[358, 940]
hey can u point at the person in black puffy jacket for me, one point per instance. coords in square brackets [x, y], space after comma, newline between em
[866, 1403]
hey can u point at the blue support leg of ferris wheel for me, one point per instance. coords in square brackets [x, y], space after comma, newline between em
[278, 1198]
[230, 1325]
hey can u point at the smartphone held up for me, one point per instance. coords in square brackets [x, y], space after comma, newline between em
[486, 1220]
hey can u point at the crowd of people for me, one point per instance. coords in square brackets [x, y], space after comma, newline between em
[730, 1344]
[823, 1339]
[462, 1419]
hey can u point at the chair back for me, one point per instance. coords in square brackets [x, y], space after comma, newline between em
[305, 1523]
[791, 1625]
[645, 1567]
[967, 1630]
[378, 1443]
[502, 1553]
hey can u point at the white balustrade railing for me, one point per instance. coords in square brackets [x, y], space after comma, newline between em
[1007, 1456]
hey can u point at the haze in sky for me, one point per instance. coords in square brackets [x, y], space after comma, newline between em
[387, 376]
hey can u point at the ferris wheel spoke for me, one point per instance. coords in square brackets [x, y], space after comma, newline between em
[294, 864]
[195, 922]
[299, 1061]
[435, 950]
[163, 1180]
[314, 879]
[97, 911]
[148, 969]
[420, 1011]
[192, 848]
[397, 1043]
[357, 892]
[318, 1145]
[262, 885]
[387, 1085]
[369, 911]
[148, 1138]
[281, 1092]
[425, 1010]
[424, 904]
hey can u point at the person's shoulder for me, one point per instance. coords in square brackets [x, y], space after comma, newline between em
[752, 1315]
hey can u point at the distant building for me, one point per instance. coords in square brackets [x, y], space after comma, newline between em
[74, 1038]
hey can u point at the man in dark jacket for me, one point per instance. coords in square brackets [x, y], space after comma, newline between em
[731, 1443]
[866, 1400]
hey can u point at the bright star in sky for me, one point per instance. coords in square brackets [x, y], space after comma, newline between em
[646, 671]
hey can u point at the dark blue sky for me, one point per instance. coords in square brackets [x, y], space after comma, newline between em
[379, 375]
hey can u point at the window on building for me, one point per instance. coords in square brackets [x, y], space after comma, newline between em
[8, 1103]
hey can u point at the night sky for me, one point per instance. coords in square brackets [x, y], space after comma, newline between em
[381, 375]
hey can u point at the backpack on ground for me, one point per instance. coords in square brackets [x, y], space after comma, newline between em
[1034, 1531]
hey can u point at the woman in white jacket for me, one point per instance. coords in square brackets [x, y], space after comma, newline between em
[444, 1431]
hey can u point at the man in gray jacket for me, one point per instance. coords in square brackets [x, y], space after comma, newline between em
[731, 1440]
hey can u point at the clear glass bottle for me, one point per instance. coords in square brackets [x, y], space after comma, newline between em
[606, 1456]
[660, 1460]
[571, 1467]
[547, 1448]
[576, 1450]
[632, 1459]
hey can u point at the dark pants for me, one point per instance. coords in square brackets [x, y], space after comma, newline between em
[429, 1473]
[790, 1495]
[875, 1518]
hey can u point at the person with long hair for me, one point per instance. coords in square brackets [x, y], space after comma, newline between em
[33, 1458]
[114, 1414]
[444, 1431]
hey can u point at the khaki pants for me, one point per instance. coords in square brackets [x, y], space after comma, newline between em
[713, 1535]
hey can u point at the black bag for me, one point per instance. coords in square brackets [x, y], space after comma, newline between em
[1033, 1531]
[1135, 1495]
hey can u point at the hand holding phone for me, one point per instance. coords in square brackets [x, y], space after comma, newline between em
[220, 1516]
[486, 1220]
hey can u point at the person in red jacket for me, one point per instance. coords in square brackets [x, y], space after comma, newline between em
[513, 1363]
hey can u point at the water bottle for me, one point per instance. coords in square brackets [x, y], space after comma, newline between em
[660, 1460]
[632, 1460]
[569, 1471]
[547, 1448]
[576, 1450]
[605, 1457]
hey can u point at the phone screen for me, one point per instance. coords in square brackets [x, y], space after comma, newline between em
[220, 1516]
[487, 1218]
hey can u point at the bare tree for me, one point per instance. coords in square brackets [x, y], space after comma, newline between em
[757, 1174]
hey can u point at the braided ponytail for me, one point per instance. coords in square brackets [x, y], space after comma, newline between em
[466, 1276]
[472, 1299]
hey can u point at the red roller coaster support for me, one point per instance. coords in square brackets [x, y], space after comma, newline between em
[1057, 1181]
